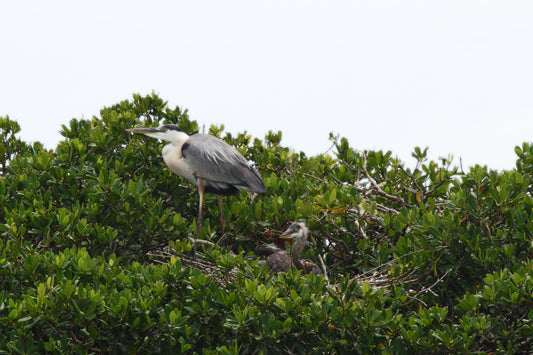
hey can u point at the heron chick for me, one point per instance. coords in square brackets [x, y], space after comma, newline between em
[278, 260]
[208, 162]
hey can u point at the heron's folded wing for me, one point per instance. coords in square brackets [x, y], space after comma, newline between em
[212, 159]
[267, 249]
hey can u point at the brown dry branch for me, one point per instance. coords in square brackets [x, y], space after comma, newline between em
[384, 280]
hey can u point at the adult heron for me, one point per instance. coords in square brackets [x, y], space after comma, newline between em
[278, 260]
[208, 162]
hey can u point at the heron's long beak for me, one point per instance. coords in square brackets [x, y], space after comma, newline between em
[286, 235]
[144, 130]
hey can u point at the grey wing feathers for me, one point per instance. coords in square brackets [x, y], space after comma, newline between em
[279, 262]
[214, 160]
[267, 249]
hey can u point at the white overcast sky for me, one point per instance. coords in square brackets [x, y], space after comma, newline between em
[456, 76]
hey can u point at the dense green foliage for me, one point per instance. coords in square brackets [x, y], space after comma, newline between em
[94, 236]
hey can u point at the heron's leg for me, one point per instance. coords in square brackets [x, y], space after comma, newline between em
[222, 216]
[201, 203]
[199, 221]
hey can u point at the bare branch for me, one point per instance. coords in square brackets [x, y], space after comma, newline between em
[207, 242]
[411, 176]
[437, 185]
[361, 231]
[324, 270]
[429, 289]
[377, 190]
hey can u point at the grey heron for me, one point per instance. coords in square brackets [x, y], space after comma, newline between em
[278, 260]
[208, 162]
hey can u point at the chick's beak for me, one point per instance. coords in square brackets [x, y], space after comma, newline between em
[286, 235]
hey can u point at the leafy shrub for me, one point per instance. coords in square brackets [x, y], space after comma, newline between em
[95, 240]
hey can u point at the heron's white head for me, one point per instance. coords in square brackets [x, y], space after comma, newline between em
[168, 132]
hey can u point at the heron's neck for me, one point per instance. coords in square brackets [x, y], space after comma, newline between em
[296, 251]
[173, 157]
[174, 146]
[180, 138]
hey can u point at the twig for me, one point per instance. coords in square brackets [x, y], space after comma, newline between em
[373, 270]
[207, 242]
[437, 185]
[422, 193]
[339, 242]
[359, 189]
[378, 189]
[364, 192]
[361, 231]
[314, 177]
[324, 270]
[410, 176]
[386, 209]
[429, 289]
